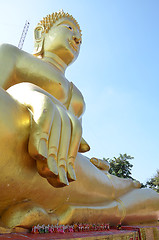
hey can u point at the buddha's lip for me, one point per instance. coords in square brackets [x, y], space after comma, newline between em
[73, 45]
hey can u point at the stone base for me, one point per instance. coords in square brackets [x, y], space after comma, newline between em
[145, 232]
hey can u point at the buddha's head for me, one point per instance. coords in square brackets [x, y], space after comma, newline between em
[60, 34]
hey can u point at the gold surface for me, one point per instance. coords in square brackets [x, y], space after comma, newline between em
[44, 178]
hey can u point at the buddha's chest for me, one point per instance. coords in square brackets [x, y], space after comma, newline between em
[45, 76]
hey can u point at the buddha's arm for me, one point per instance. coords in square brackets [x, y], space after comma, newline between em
[17, 66]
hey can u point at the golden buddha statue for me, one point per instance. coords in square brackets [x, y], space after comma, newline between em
[44, 177]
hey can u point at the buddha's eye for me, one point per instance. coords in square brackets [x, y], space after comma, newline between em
[70, 28]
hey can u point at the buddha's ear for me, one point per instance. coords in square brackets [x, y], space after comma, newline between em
[39, 33]
[38, 40]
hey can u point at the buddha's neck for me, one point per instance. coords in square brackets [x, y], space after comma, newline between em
[54, 60]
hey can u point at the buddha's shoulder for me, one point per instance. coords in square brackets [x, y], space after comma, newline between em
[11, 50]
[8, 48]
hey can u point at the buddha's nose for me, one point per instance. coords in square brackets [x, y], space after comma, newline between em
[77, 40]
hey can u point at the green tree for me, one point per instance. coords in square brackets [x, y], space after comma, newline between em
[154, 182]
[121, 167]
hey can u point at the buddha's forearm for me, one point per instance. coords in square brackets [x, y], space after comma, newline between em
[15, 118]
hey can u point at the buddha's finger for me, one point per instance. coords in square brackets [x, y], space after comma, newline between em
[64, 145]
[75, 140]
[41, 126]
[43, 169]
[54, 143]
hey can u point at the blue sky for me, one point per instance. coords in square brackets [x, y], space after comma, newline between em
[117, 71]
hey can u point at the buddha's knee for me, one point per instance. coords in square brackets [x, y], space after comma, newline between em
[26, 214]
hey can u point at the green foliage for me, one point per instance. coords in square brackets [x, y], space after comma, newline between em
[143, 185]
[121, 167]
[154, 182]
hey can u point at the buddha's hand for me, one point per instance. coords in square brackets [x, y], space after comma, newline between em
[55, 133]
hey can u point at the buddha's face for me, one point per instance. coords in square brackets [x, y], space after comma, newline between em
[63, 39]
